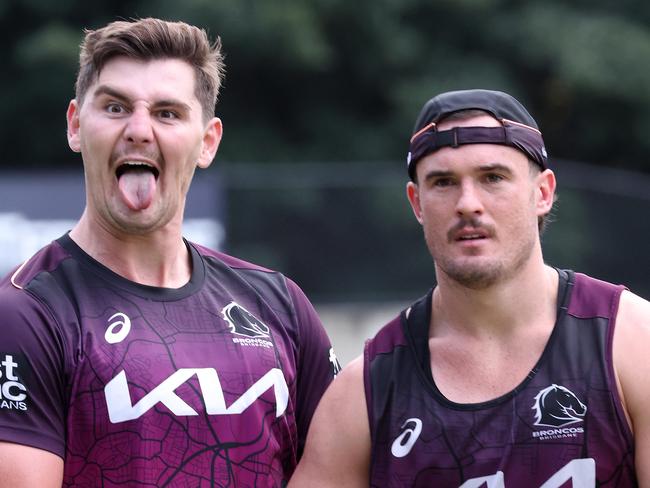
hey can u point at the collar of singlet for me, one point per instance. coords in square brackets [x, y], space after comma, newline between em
[416, 322]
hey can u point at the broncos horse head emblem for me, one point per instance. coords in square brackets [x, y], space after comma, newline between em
[557, 406]
[244, 323]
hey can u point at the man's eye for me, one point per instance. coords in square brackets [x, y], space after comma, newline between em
[443, 182]
[168, 114]
[493, 178]
[114, 108]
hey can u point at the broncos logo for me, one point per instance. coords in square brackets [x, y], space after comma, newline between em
[557, 406]
[242, 322]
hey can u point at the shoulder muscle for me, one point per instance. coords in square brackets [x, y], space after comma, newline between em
[338, 445]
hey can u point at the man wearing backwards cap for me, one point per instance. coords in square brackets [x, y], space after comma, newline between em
[508, 373]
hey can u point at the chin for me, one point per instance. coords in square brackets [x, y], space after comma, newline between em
[138, 224]
[474, 275]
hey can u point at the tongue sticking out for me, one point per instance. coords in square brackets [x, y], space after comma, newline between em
[137, 187]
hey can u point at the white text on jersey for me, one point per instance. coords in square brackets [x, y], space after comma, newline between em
[120, 408]
[12, 391]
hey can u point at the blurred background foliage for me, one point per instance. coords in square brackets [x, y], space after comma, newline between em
[321, 96]
[334, 80]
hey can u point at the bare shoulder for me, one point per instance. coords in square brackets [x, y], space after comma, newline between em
[344, 400]
[24, 466]
[634, 308]
[337, 452]
[632, 333]
[348, 384]
[630, 353]
[631, 346]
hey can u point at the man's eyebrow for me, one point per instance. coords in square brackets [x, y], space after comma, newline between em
[495, 167]
[167, 102]
[111, 92]
[484, 168]
[172, 102]
[438, 174]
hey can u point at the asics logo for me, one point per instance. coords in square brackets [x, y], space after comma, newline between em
[403, 444]
[119, 329]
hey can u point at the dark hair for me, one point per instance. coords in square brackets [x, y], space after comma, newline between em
[148, 39]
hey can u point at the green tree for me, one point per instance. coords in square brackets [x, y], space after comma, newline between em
[333, 80]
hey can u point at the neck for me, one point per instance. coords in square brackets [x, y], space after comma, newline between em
[159, 258]
[525, 300]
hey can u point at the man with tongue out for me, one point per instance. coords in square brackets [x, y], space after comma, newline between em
[130, 356]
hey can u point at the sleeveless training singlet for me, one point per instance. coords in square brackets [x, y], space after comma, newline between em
[211, 384]
[562, 426]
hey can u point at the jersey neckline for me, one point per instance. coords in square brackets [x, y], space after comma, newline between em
[416, 331]
[145, 291]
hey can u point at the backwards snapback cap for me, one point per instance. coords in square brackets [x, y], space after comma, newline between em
[518, 128]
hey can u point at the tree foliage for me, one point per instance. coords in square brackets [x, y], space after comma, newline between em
[334, 80]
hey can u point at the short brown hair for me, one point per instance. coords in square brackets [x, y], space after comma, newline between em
[148, 39]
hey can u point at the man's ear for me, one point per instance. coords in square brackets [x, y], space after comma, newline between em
[414, 199]
[72, 116]
[545, 191]
[211, 139]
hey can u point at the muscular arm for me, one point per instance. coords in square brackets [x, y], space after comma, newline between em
[337, 454]
[26, 467]
[630, 351]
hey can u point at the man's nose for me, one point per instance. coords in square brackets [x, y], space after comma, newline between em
[469, 201]
[138, 129]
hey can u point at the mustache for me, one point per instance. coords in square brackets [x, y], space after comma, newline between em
[151, 155]
[468, 223]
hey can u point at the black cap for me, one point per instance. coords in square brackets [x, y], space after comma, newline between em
[518, 129]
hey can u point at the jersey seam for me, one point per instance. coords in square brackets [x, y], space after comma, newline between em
[618, 403]
[46, 304]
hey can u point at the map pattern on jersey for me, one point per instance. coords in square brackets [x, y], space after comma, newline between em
[562, 424]
[190, 387]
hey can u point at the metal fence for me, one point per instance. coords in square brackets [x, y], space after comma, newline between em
[345, 232]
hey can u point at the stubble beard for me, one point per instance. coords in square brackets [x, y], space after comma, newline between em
[471, 273]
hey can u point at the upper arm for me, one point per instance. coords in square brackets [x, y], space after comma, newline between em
[630, 353]
[337, 453]
[33, 378]
[26, 467]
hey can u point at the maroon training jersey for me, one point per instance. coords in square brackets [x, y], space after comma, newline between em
[211, 384]
[562, 426]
